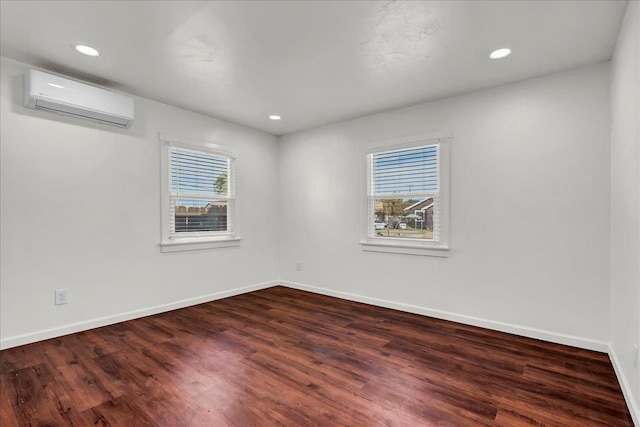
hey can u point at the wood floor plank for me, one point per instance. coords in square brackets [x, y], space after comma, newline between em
[7, 415]
[30, 399]
[282, 357]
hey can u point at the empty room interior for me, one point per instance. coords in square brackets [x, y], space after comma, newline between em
[320, 213]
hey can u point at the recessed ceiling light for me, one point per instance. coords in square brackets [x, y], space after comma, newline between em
[500, 53]
[87, 50]
[274, 117]
[55, 85]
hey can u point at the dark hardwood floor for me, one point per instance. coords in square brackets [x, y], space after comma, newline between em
[292, 358]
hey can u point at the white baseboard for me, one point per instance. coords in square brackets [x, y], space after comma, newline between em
[626, 387]
[555, 337]
[32, 337]
[524, 331]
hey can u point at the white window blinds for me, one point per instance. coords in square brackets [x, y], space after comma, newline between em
[404, 193]
[409, 171]
[201, 193]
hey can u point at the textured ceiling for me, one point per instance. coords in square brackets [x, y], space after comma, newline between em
[312, 62]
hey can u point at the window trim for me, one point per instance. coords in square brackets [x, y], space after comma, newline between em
[438, 248]
[169, 242]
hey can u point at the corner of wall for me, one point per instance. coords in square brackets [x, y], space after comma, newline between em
[634, 408]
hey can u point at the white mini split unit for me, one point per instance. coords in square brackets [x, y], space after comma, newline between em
[49, 92]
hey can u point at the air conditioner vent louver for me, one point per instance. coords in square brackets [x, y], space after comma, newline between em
[78, 112]
[59, 95]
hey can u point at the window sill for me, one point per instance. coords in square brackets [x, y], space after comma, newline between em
[197, 244]
[399, 247]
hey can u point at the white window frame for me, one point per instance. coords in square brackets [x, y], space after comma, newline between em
[438, 247]
[170, 241]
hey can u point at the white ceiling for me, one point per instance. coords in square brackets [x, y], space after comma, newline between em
[312, 62]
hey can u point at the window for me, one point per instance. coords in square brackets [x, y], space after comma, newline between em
[198, 197]
[407, 197]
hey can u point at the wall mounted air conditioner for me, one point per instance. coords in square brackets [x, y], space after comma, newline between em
[49, 92]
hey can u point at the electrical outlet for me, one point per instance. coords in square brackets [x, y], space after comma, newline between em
[636, 356]
[299, 266]
[61, 296]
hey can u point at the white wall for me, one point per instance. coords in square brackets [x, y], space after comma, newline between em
[530, 182]
[530, 210]
[625, 204]
[81, 210]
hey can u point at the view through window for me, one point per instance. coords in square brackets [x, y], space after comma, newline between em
[201, 193]
[404, 193]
